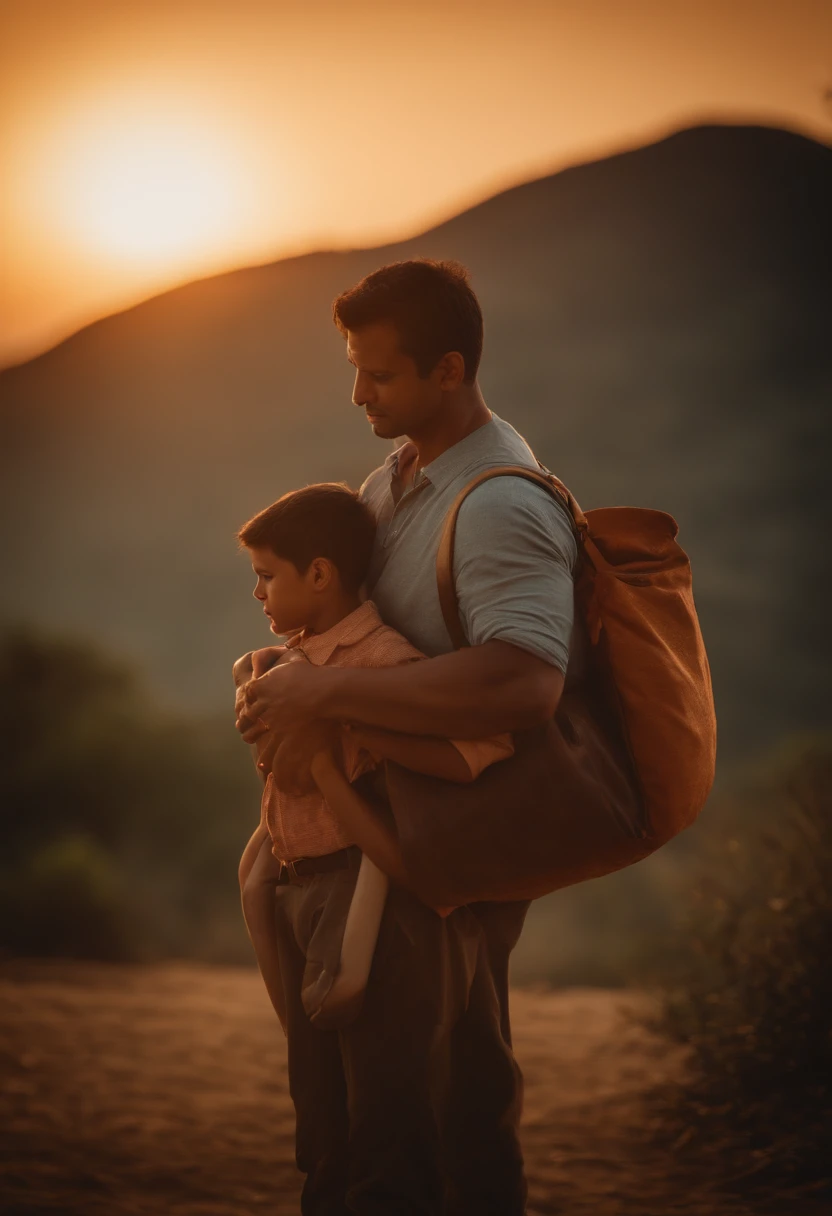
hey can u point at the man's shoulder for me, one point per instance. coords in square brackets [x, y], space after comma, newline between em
[514, 511]
[501, 443]
[506, 493]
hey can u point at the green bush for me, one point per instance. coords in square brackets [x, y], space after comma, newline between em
[120, 820]
[70, 901]
[752, 992]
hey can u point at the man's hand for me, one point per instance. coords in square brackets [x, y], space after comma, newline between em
[241, 673]
[247, 668]
[292, 767]
[285, 697]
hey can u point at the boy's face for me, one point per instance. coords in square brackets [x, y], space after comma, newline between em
[288, 598]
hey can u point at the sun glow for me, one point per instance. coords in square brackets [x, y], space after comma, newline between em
[147, 144]
[152, 193]
[150, 190]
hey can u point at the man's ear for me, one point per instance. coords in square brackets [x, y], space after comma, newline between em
[451, 368]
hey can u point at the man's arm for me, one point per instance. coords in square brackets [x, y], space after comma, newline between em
[513, 571]
[482, 690]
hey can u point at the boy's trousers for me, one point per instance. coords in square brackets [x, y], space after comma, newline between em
[412, 1109]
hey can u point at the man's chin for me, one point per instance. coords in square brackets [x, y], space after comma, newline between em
[383, 428]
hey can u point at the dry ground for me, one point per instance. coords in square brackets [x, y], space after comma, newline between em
[161, 1091]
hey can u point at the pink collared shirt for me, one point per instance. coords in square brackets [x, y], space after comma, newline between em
[304, 826]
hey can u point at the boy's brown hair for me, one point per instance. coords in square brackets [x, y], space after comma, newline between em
[324, 520]
[431, 304]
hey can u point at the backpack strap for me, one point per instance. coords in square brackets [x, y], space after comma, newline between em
[448, 599]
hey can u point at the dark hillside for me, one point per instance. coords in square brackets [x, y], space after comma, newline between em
[657, 326]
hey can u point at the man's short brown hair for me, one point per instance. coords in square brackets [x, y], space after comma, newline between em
[324, 520]
[431, 305]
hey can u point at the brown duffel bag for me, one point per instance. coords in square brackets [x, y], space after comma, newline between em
[626, 762]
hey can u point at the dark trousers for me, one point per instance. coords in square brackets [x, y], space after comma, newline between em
[483, 1160]
[413, 1108]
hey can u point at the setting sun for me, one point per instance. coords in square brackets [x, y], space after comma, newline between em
[152, 192]
[147, 144]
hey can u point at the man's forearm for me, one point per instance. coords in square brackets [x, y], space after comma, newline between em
[481, 690]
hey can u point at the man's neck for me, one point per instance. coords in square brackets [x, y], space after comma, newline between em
[466, 414]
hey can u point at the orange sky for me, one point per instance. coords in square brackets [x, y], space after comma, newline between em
[146, 142]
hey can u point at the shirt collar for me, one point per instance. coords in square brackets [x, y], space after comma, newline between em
[454, 460]
[319, 647]
[392, 461]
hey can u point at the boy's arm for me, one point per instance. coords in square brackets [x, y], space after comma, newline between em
[251, 851]
[421, 753]
[372, 836]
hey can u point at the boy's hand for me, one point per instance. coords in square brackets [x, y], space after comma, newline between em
[250, 666]
[265, 659]
[243, 669]
[267, 746]
[292, 767]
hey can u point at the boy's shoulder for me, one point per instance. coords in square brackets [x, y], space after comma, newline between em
[391, 647]
[373, 643]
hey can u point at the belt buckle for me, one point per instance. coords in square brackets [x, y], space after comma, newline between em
[289, 866]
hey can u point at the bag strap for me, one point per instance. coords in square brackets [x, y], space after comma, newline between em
[448, 599]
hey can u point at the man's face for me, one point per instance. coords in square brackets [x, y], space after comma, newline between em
[394, 397]
[287, 597]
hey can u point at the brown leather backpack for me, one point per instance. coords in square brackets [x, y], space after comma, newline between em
[626, 762]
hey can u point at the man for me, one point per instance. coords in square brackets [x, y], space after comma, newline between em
[414, 336]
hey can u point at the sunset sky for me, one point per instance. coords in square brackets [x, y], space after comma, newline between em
[147, 142]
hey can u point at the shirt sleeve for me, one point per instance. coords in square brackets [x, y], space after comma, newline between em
[479, 753]
[357, 760]
[390, 649]
[513, 568]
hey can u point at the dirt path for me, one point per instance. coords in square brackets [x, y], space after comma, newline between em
[161, 1091]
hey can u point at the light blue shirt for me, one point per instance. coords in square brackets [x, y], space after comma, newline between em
[514, 557]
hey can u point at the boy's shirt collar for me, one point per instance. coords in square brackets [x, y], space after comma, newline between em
[319, 647]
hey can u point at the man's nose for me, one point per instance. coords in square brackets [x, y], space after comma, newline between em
[362, 393]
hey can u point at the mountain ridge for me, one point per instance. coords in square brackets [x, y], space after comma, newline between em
[689, 134]
[654, 326]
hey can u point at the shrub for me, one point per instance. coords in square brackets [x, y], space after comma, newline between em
[68, 901]
[752, 994]
[120, 820]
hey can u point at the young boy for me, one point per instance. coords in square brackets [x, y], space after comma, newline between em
[310, 552]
